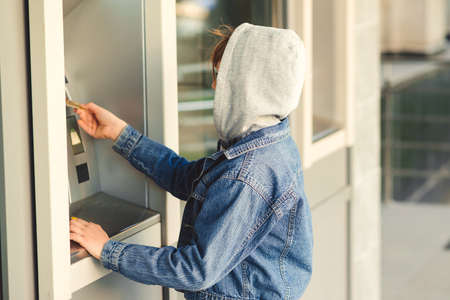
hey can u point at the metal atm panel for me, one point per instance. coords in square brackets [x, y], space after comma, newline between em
[104, 64]
[83, 170]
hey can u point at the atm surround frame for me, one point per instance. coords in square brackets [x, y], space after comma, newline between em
[49, 125]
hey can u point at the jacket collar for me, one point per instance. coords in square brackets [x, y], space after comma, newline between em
[256, 139]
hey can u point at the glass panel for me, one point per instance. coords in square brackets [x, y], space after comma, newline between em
[194, 17]
[326, 117]
[415, 135]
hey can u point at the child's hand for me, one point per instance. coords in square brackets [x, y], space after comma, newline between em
[99, 122]
[89, 235]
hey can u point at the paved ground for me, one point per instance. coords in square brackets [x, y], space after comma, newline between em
[416, 251]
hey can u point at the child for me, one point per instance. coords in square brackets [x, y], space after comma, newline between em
[246, 230]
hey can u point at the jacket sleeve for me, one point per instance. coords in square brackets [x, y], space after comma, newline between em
[167, 169]
[228, 228]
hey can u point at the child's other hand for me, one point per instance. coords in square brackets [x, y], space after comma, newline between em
[99, 122]
[89, 235]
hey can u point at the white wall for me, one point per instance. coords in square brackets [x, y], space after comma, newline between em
[365, 162]
[417, 26]
[103, 48]
[16, 209]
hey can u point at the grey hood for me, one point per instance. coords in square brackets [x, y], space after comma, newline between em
[260, 80]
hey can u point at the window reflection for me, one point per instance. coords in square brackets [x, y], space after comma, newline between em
[194, 18]
[326, 114]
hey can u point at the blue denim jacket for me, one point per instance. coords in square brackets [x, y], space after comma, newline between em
[246, 231]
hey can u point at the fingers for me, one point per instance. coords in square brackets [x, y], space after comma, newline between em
[85, 126]
[87, 122]
[89, 118]
[86, 115]
[78, 229]
[91, 107]
[78, 221]
[94, 107]
[77, 238]
[89, 235]
[78, 225]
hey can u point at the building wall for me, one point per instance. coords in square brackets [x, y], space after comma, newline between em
[365, 156]
[16, 194]
[343, 187]
[328, 193]
[417, 26]
[448, 18]
[2, 196]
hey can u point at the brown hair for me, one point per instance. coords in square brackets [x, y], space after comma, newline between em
[224, 33]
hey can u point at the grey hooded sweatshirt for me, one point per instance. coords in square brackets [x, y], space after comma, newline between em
[259, 82]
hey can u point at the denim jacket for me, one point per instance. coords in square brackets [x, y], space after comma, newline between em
[246, 231]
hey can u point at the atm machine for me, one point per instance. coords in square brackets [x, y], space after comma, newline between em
[104, 63]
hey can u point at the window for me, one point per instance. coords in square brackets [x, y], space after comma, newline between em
[194, 18]
[323, 121]
[327, 117]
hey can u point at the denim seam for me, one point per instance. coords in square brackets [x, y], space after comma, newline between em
[198, 177]
[130, 143]
[114, 254]
[246, 164]
[121, 140]
[250, 181]
[244, 279]
[289, 193]
[287, 246]
[206, 178]
[255, 144]
[260, 222]
[223, 297]
[258, 225]
[253, 187]
[104, 256]
[235, 152]
[133, 146]
[198, 197]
